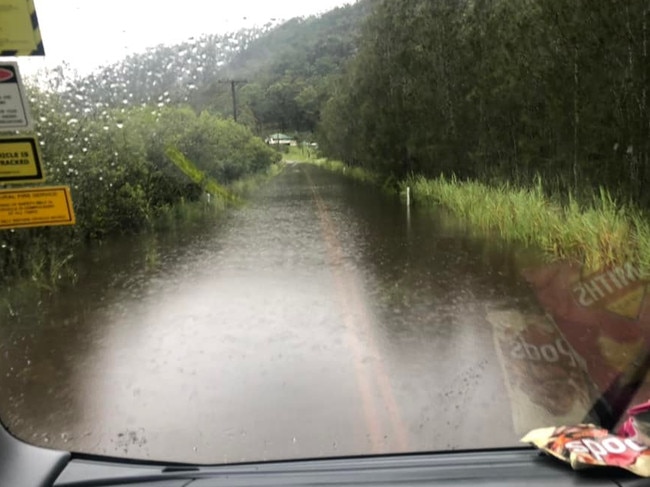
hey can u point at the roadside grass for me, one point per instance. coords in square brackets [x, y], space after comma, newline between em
[597, 232]
[356, 173]
[298, 154]
[175, 216]
[215, 201]
[246, 185]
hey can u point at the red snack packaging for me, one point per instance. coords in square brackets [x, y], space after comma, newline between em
[587, 445]
[604, 315]
[637, 424]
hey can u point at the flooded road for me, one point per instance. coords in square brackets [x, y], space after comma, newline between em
[320, 319]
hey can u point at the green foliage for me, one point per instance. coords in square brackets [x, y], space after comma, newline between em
[197, 176]
[290, 71]
[597, 234]
[300, 154]
[243, 187]
[499, 90]
[129, 169]
[356, 173]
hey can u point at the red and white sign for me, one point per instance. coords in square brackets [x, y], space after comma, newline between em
[14, 112]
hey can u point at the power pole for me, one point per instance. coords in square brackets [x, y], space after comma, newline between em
[233, 87]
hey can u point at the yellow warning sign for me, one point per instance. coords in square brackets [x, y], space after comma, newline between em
[36, 207]
[20, 161]
[19, 31]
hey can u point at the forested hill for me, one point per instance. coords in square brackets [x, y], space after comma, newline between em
[163, 74]
[288, 68]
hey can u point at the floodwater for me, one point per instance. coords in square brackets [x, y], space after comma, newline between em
[321, 319]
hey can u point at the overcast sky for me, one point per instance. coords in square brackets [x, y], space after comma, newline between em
[88, 33]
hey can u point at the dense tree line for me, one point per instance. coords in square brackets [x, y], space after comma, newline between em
[503, 89]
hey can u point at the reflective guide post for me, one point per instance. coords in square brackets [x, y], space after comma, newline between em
[19, 31]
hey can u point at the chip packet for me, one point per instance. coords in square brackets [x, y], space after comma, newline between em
[637, 424]
[587, 445]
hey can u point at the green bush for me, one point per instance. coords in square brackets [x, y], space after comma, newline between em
[121, 177]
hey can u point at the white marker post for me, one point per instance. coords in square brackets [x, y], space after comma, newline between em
[408, 210]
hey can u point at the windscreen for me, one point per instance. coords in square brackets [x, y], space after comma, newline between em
[252, 231]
